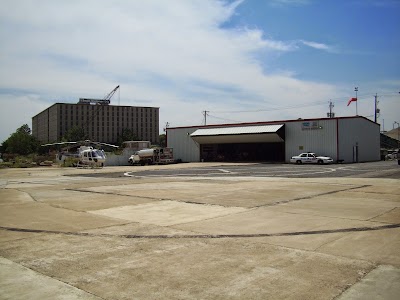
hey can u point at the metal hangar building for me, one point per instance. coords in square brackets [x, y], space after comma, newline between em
[345, 139]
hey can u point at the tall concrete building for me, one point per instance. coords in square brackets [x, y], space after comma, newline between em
[100, 122]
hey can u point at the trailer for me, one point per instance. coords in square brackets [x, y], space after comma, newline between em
[152, 156]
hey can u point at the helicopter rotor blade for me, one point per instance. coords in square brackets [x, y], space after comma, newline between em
[85, 142]
[104, 144]
[58, 144]
[109, 145]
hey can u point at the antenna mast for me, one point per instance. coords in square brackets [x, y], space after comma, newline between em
[377, 110]
[331, 114]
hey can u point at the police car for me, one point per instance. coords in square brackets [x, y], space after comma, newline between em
[310, 158]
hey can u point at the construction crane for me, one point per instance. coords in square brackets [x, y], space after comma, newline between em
[105, 101]
[109, 96]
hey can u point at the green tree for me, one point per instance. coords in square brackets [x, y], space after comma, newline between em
[21, 142]
[24, 129]
[4, 146]
[127, 135]
[163, 140]
[76, 133]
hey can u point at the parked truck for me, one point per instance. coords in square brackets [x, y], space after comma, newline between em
[152, 156]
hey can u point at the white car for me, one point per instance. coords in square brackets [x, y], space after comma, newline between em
[311, 158]
[392, 155]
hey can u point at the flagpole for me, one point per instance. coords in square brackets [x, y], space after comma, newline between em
[356, 90]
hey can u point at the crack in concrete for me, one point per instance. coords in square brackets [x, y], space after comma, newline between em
[200, 203]
[154, 198]
[118, 194]
[346, 287]
[205, 236]
[312, 196]
[54, 278]
[386, 212]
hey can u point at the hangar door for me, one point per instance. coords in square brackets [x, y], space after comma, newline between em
[246, 143]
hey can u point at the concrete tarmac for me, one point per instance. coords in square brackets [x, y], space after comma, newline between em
[80, 237]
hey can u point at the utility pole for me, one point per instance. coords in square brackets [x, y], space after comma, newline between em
[205, 113]
[356, 90]
[330, 113]
[398, 136]
[376, 107]
[165, 142]
[166, 126]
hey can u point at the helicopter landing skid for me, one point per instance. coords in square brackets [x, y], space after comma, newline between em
[81, 165]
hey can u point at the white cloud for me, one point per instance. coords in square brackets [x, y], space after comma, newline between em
[173, 54]
[316, 45]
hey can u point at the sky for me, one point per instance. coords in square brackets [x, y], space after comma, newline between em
[241, 61]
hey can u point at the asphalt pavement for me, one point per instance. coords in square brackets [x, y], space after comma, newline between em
[381, 169]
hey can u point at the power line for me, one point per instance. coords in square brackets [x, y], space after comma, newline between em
[316, 103]
[273, 109]
[225, 119]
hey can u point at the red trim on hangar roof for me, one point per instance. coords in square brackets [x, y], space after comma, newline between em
[270, 122]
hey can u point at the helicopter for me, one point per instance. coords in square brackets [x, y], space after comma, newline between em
[84, 156]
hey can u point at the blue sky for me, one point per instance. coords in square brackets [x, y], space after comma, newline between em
[243, 61]
[353, 36]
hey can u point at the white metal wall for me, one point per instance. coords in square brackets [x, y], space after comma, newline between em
[119, 159]
[185, 148]
[319, 138]
[362, 133]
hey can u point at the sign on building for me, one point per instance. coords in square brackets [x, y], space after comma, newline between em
[311, 125]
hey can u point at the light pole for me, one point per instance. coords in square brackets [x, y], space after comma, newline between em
[398, 141]
[356, 90]
[376, 108]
